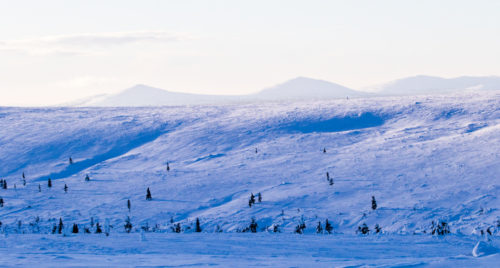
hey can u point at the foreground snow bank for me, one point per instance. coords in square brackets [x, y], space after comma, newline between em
[239, 250]
[483, 249]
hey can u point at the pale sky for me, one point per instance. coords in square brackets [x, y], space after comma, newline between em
[57, 51]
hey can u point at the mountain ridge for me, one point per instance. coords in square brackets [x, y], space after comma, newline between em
[299, 88]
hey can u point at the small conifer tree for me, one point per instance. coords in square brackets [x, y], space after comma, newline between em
[168, 167]
[374, 203]
[75, 228]
[198, 227]
[328, 227]
[128, 205]
[98, 229]
[60, 226]
[87, 178]
[1, 202]
[65, 188]
[128, 225]
[251, 201]
[259, 197]
[363, 229]
[49, 183]
[70, 160]
[177, 227]
[253, 226]
[148, 195]
[319, 228]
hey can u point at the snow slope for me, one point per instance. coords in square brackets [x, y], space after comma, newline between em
[239, 250]
[424, 159]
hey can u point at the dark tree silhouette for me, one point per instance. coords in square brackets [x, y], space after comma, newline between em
[128, 205]
[75, 228]
[128, 225]
[198, 227]
[177, 228]
[65, 188]
[363, 229]
[253, 226]
[60, 226]
[441, 228]
[276, 228]
[87, 178]
[377, 229]
[259, 197]
[299, 229]
[98, 229]
[327, 176]
[1, 202]
[324, 150]
[328, 227]
[49, 183]
[168, 167]
[70, 160]
[148, 195]
[4, 184]
[319, 228]
[251, 201]
[39, 188]
[374, 203]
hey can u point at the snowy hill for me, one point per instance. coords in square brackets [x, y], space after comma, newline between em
[418, 85]
[142, 95]
[307, 88]
[296, 89]
[424, 159]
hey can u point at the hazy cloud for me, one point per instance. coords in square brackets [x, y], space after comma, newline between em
[86, 43]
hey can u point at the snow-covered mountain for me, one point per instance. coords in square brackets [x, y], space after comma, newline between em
[296, 89]
[307, 88]
[424, 159]
[418, 85]
[300, 88]
[142, 95]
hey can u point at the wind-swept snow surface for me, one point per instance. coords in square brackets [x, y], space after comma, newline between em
[424, 159]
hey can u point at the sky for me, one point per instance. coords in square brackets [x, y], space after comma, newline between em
[53, 52]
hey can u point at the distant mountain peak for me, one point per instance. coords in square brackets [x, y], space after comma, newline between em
[307, 88]
[424, 84]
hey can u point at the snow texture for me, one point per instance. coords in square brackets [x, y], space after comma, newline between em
[425, 159]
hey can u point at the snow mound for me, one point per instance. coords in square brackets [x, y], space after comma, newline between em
[483, 249]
